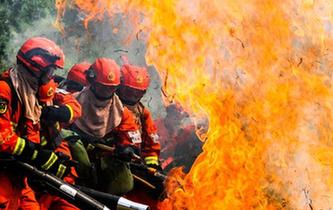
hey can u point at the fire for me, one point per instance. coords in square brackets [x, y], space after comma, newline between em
[260, 71]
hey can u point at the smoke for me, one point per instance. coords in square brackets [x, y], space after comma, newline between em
[41, 27]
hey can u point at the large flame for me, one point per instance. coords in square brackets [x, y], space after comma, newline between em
[261, 72]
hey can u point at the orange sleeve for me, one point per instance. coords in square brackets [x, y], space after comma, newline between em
[128, 131]
[8, 137]
[67, 99]
[32, 131]
[150, 139]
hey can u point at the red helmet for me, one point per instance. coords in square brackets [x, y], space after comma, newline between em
[135, 77]
[46, 92]
[78, 73]
[104, 71]
[39, 53]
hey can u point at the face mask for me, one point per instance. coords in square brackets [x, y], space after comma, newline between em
[103, 92]
[130, 96]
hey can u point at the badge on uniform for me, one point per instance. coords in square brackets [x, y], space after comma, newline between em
[135, 136]
[3, 106]
[50, 92]
[155, 137]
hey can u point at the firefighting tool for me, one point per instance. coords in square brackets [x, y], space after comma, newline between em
[82, 198]
[45, 159]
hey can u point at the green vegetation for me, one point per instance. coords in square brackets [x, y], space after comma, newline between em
[15, 16]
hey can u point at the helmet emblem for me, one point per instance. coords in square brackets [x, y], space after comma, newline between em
[50, 92]
[3, 106]
[139, 79]
[111, 76]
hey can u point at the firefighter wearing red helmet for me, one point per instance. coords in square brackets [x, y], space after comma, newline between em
[19, 113]
[76, 78]
[135, 82]
[105, 120]
[41, 56]
[51, 138]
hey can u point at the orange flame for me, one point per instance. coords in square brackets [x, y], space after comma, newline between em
[260, 71]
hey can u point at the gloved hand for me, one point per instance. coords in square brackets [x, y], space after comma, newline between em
[126, 153]
[47, 160]
[152, 162]
[55, 163]
[56, 113]
[157, 167]
[62, 166]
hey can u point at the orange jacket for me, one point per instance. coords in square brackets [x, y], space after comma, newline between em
[61, 98]
[51, 132]
[150, 145]
[127, 132]
[13, 124]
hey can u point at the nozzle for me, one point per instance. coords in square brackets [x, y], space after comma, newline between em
[125, 204]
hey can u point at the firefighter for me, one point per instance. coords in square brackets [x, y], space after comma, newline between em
[135, 81]
[105, 120]
[20, 120]
[52, 100]
[179, 139]
[168, 130]
[76, 77]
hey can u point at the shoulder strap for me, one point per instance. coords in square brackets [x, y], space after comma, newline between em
[141, 109]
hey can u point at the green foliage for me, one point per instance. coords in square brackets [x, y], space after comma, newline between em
[16, 15]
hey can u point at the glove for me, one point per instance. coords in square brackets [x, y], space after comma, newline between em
[47, 160]
[56, 113]
[152, 162]
[57, 164]
[126, 153]
[62, 166]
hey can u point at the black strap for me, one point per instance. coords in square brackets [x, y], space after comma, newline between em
[141, 109]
